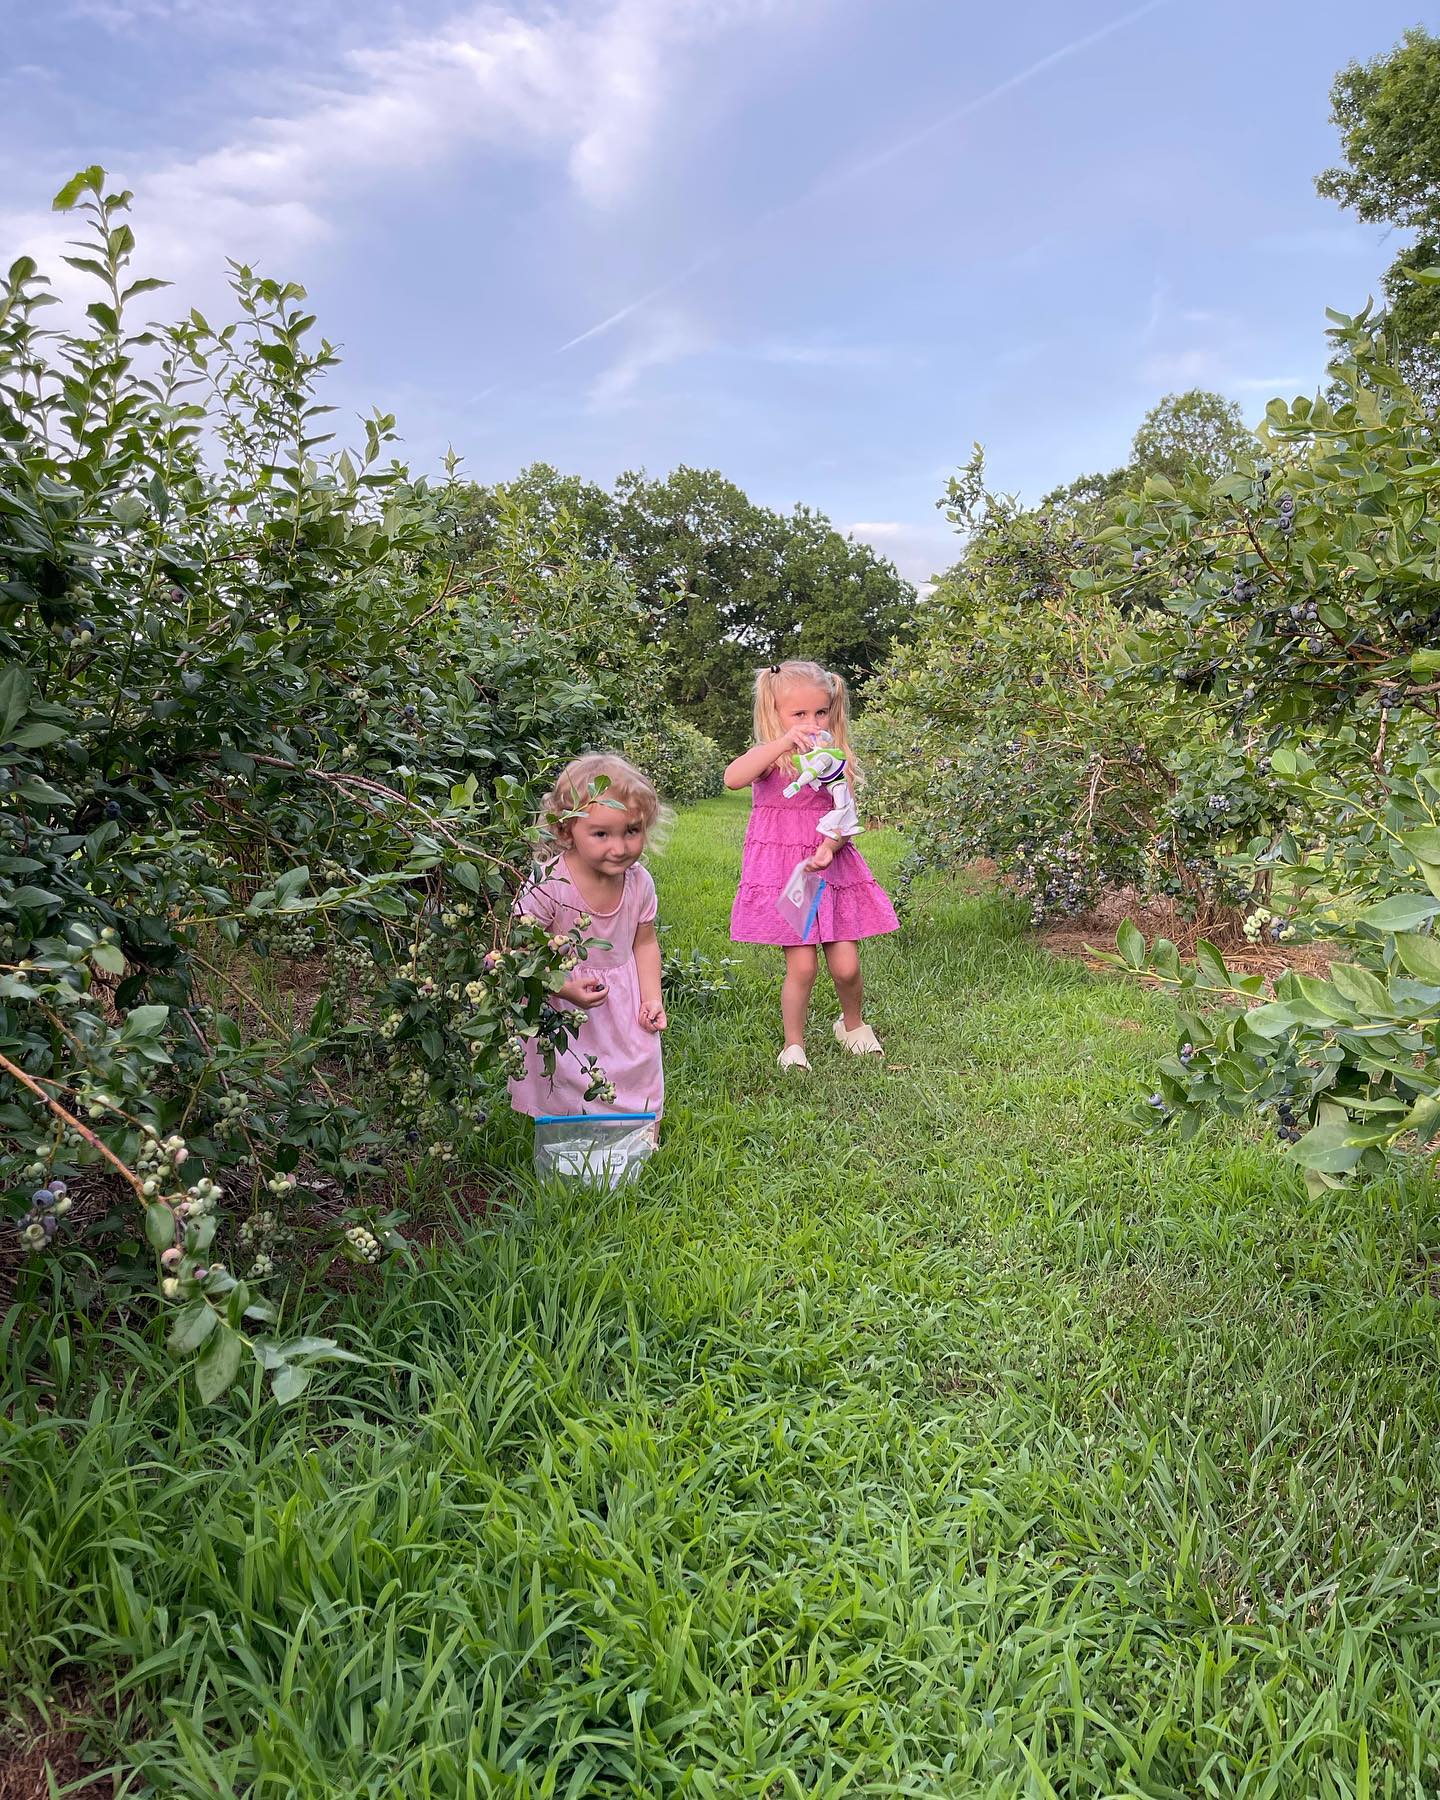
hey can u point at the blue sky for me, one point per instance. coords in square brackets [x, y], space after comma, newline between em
[821, 245]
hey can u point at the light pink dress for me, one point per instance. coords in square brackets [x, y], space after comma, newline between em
[782, 833]
[612, 1033]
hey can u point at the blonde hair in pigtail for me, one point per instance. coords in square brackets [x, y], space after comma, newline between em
[771, 683]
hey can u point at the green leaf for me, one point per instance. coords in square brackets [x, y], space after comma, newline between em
[14, 698]
[1362, 989]
[1270, 1021]
[1401, 912]
[467, 875]
[109, 957]
[1130, 942]
[147, 284]
[291, 882]
[1420, 956]
[1422, 1116]
[41, 792]
[1324, 1148]
[38, 898]
[159, 1225]
[35, 736]
[1289, 764]
[1423, 843]
[218, 1364]
[289, 1383]
[193, 1326]
[144, 1021]
[90, 180]
[1425, 662]
[1211, 964]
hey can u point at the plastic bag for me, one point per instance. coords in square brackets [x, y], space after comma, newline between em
[799, 902]
[595, 1149]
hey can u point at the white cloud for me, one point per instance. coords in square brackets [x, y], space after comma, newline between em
[668, 338]
[819, 354]
[1196, 367]
[918, 549]
[588, 89]
[1154, 318]
[842, 175]
[1272, 384]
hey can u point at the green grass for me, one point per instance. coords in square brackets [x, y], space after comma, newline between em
[909, 1430]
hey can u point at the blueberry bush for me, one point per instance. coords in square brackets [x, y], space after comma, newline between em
[1305, 589]
[1023, 726]
[683, 763]
[253, 718]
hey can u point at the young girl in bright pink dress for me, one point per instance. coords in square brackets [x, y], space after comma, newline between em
[796, 704]
[597, 886]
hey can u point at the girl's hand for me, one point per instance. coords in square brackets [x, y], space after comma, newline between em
[797, 740]
[823, 857]
[585, 991]
[652, 1015]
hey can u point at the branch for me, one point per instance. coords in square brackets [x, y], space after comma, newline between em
[366, 785]
[83, 1130]
[248, 999]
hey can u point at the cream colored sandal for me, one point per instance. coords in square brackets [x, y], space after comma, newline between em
[862, 1041]
[793, 1057]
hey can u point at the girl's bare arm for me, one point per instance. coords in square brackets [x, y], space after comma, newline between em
[753, 763]
[647, 966]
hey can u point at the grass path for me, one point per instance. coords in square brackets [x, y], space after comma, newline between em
[910, 1430]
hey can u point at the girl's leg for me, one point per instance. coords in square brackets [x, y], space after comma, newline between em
[843, 961]
[801, 966]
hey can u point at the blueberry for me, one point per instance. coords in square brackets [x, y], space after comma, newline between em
[112, 809]
[42, 1197]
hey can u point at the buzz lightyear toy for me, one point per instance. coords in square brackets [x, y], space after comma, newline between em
[824, 768]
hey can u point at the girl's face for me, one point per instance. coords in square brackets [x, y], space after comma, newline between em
[805, 706]
[607, 839]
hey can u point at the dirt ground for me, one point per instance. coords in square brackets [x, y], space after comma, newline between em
[1163, 918]
[45, 1760]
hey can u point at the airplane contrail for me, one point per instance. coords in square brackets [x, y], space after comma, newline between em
[848, 172]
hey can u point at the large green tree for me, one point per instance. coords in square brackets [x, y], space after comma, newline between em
[1197, 429]
[727, 585]
[1388, 115]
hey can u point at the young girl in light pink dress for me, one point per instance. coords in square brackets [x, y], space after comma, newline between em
[796, 705]
[599, 816]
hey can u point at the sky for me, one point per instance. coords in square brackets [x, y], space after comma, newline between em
[823, 246]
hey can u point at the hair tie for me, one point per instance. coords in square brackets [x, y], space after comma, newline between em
[774, 668]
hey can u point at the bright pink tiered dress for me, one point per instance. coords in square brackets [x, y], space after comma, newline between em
[782, 833]
[611, 1033]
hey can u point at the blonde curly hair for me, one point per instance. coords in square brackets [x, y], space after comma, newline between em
[609, 780]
